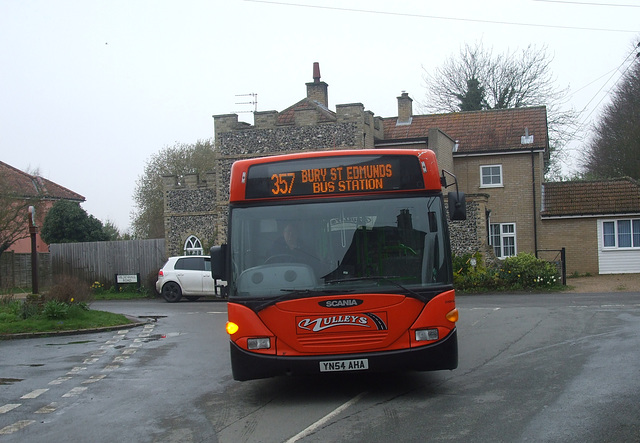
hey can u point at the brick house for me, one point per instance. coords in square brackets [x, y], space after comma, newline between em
[498, 157]
[35, 191]
[597, 221]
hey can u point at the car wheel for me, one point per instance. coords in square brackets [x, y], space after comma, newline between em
[171, 292]
[193, 298]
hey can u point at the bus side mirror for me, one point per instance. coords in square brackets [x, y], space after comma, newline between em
[457, 207]
[218, 262]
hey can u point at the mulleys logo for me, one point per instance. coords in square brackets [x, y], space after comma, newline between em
[341, 303]
[319, 324]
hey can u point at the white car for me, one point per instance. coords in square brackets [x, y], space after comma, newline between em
[188, 276]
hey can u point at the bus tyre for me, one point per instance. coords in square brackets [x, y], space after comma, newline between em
[171, 292]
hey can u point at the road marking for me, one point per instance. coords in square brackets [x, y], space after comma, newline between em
[312, 428]
[109, 368]
[51, 407]
[59, 380]
[15, 427]
[129, 351]
[75, 392]
[93, 379]
[35, 394]
[89, 361]
[76, 369]
[9, 407]
[120, 358]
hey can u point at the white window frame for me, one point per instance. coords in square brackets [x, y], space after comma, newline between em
[193, 246]
[507, 231]
[491, 185]
[617, 234]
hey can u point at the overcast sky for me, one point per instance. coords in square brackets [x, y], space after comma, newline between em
[91, 89]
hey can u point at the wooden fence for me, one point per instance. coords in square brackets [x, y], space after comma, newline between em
[15, 270]
[101, 261]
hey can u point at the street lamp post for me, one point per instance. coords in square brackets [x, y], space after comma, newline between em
[34, 251]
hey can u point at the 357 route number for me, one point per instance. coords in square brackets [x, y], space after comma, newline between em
[282, 183]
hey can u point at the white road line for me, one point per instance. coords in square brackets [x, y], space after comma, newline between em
[51, 407]
[76, 369]
[75, 392]
[325, 419]
[109, 368]
[129, 351]
[9, 407]
[93, 379]
[16, 427]
[35, 394]
[59, 380]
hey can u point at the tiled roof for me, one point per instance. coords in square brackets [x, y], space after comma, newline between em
[33, 186]
[615, 196]
[286, 117]
[479, 131]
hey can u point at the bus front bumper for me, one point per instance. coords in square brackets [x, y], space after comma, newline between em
[437, 356]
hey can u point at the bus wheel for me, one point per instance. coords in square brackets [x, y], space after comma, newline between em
[171, 292]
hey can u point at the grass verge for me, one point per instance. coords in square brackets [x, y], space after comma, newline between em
[25, 316]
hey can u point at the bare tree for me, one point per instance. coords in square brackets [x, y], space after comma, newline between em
[14, 212]
[180, 159]
[511, 80]
[614, 150]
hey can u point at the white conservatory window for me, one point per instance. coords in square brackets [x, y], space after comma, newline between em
[193, 246]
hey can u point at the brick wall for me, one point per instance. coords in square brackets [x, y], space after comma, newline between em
[579, 237]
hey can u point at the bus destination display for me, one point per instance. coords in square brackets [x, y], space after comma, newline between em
[333, 175]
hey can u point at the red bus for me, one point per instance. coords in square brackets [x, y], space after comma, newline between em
[339, 261]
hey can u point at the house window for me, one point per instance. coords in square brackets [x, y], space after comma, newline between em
[503, 239]
[621, 233]
[193, 246]
[490, 176]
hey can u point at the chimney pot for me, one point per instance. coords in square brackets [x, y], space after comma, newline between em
[316, 72]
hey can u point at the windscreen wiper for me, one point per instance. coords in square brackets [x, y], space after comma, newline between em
[301, 293]
[386, 278]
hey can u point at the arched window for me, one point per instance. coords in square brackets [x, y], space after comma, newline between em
[193, 246]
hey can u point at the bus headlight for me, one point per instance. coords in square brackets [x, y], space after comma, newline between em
[259, 343]
[426, 334]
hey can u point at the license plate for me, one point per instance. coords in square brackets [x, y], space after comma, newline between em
[360, 364]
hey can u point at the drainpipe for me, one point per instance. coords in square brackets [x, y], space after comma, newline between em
[535, 216]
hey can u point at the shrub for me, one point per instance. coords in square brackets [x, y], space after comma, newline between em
[523, 271]
[55, 310]
[70, 290]
[526, 271]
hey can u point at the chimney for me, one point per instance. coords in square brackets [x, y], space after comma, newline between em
[405, 109]
[317, 90]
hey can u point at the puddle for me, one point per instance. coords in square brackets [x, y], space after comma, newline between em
[152, 317]
[82, 342]
[9, 381]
